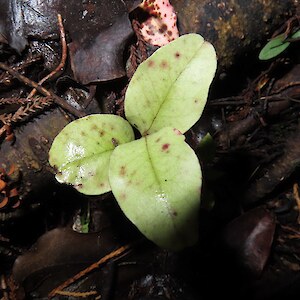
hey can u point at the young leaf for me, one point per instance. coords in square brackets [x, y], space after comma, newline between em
[206, 149]
[81, 151]
[170, 88]
[295, 36]
[273, 48]
[156, 181]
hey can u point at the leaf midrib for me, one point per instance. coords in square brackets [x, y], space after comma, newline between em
[166, 203]
[84, 158]
[170, 88]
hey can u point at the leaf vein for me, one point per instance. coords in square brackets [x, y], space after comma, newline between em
[171, 86]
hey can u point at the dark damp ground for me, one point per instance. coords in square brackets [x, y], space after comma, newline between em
[249, 218]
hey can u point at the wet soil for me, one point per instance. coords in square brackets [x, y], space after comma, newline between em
[249, 218]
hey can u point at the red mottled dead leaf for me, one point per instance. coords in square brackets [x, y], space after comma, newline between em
[160, 28]
[250, 237]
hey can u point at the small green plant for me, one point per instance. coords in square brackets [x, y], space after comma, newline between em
[277, 45]
[156, 179]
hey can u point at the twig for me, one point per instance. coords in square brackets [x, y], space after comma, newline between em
[3, 130]
[62, 63]
[13, 100]
[138, 51]
[13, 288]
[32, 107]
[43, 91]
[6, 77]
[233, 100]
[25, 111]
[141, 46]
[244, 126]
[279, 171]
[5, 119]
[289, 229]
[285, 87]
[3, 287]
[94, 266]
[76, 294]
[297, 198]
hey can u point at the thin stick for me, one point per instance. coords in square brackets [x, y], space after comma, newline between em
[62, 63]
[43, 91]
[291, 84]
[233, 100]
[3, 287]
[13, 100]
[297, 199]
[3, 130]
[140, 40]
[6, 77]
[76, 294]
[92, 267]
[225, 103]
[31, 108]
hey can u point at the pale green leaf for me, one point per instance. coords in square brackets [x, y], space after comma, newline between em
[156, 181]
[206, 148]
[273, 48]
[296, 35]
[81, 152]
[170, 88]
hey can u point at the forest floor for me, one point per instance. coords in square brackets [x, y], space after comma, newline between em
[250, 208]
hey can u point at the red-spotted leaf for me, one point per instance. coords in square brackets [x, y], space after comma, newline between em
[170, 88]
[81, 152]
[156, 181]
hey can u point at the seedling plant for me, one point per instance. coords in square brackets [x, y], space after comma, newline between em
[156, 179]
[277, 45]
